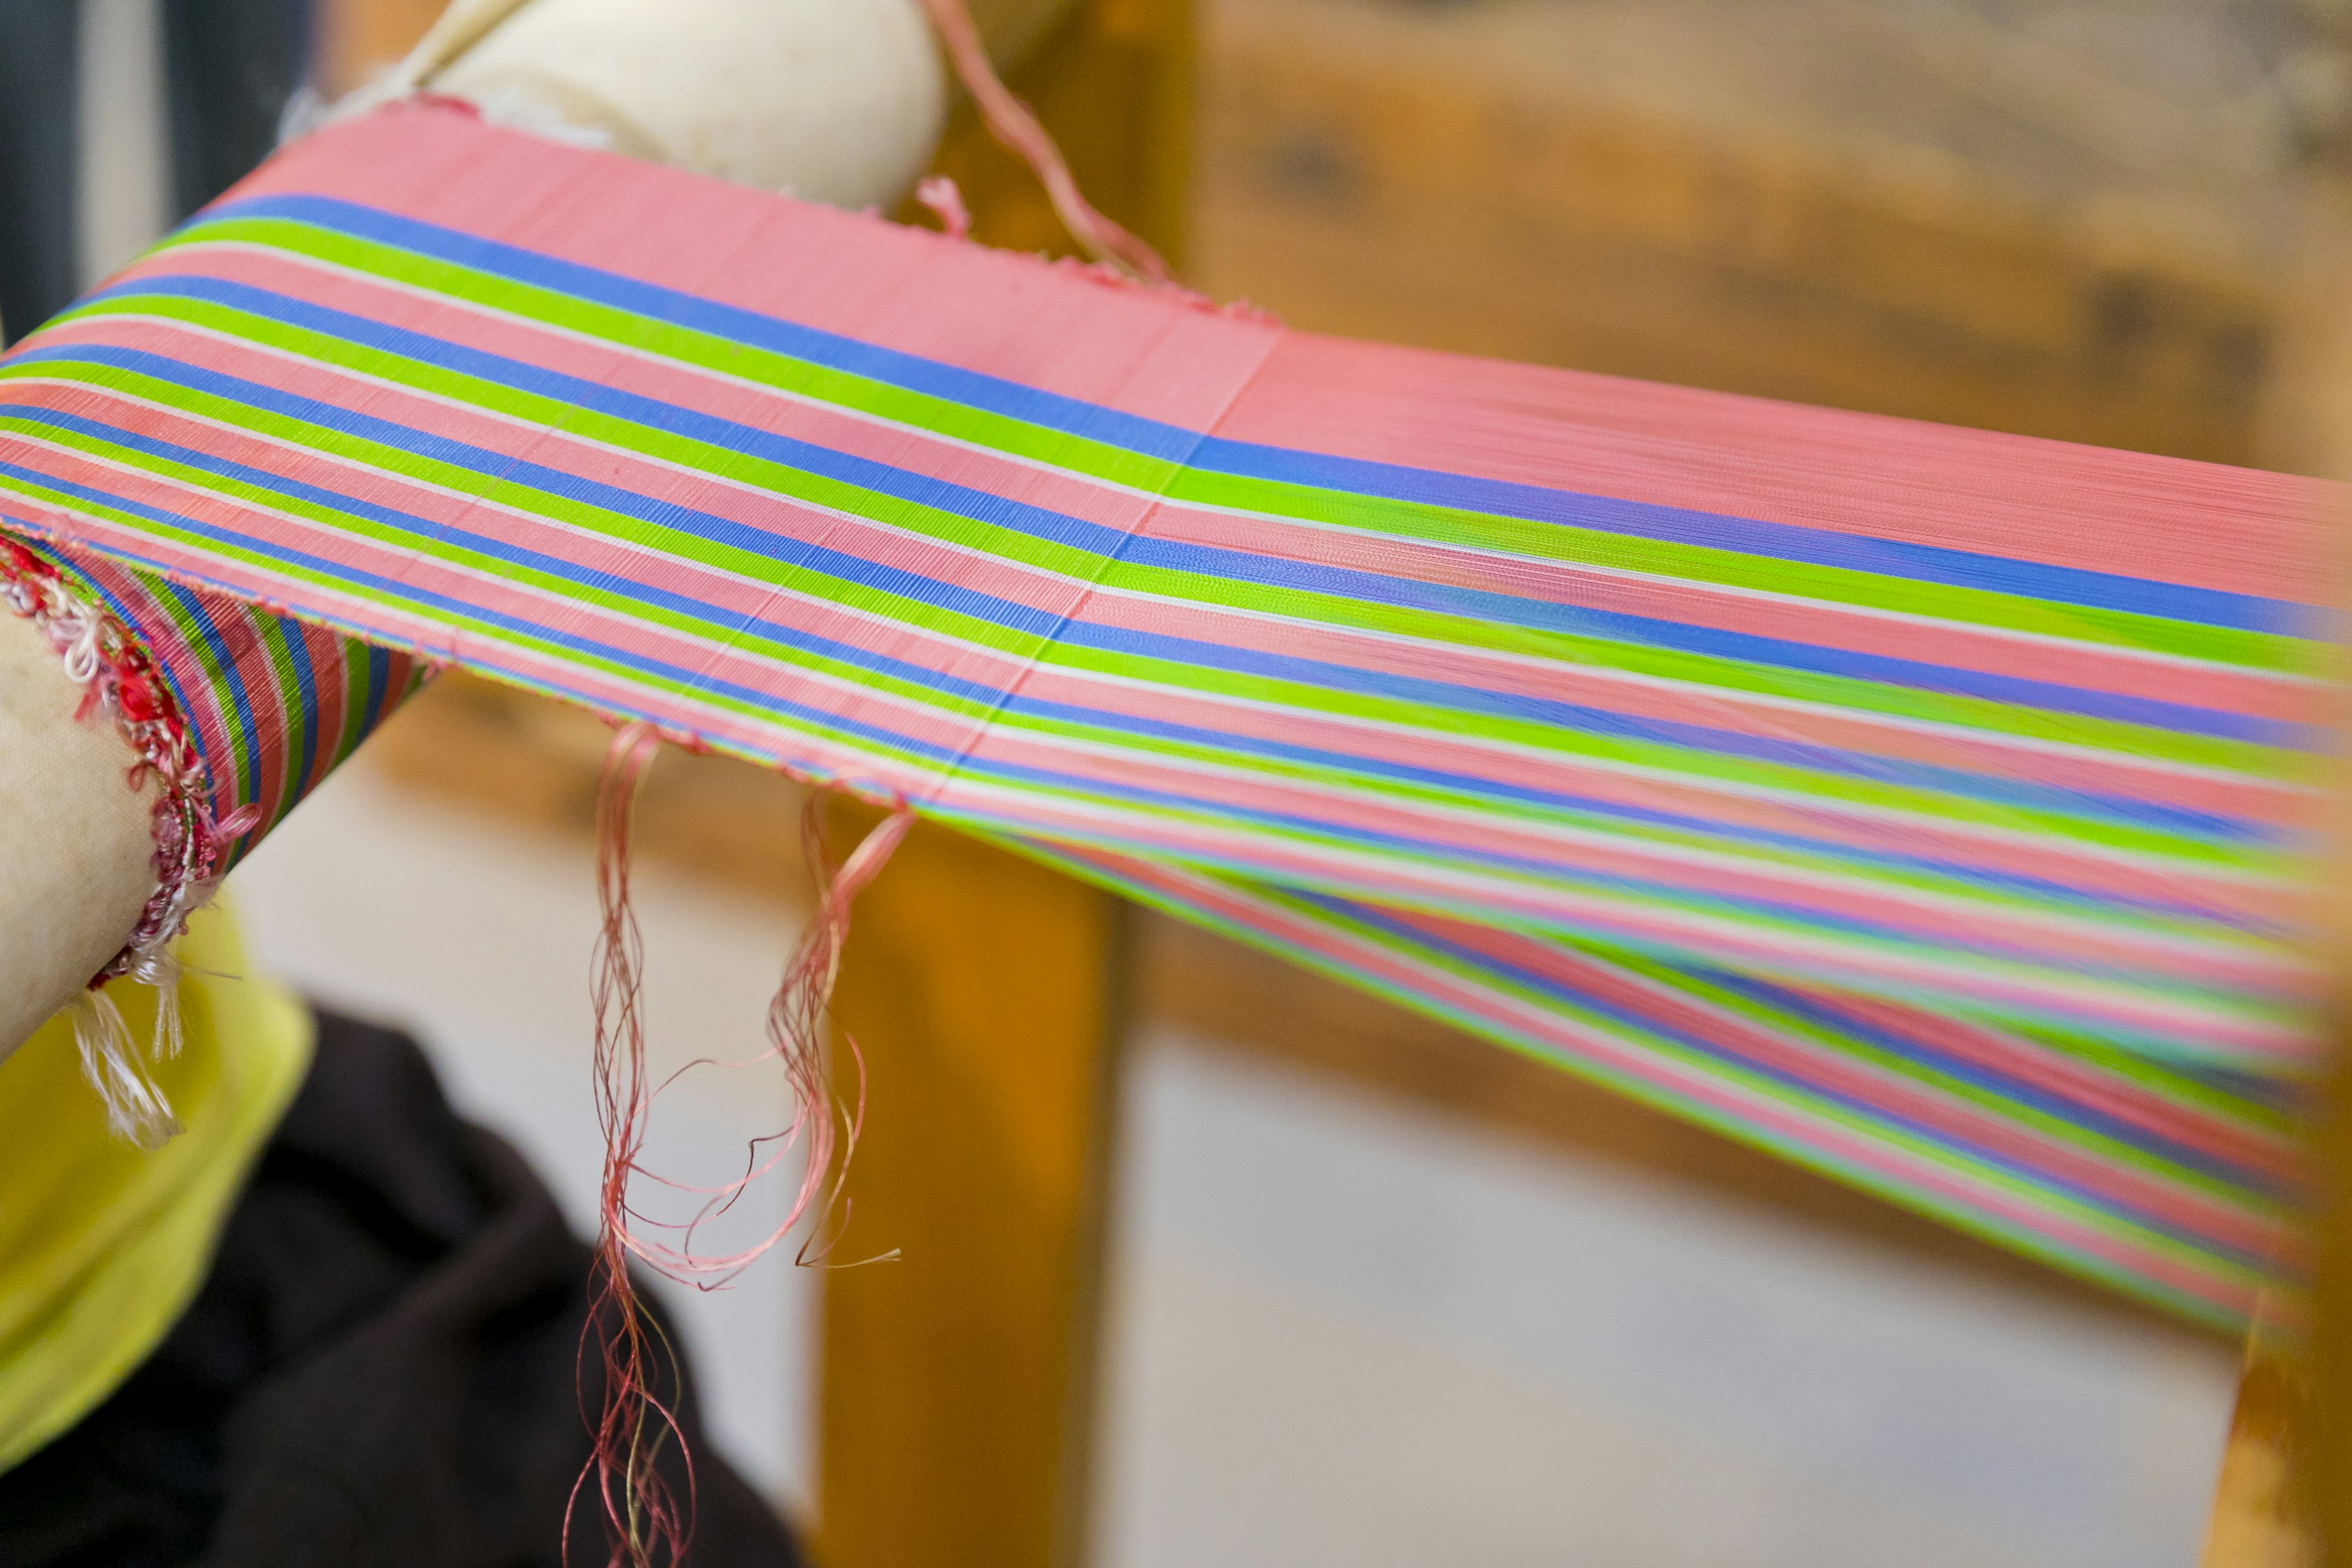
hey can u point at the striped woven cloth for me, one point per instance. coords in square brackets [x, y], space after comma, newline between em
[276, 705]
[1925, 805]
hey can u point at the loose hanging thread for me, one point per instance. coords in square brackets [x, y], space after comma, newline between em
[646, 1522]
[1016, 128]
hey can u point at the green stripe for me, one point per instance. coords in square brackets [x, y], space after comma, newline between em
[1653, 755]
[1563, 543]
[2012, 1235]
[288, 703]
[1696, 672]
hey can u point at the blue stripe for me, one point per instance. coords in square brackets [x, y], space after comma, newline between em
[1152, 438]
[243, 788]
[1185, 651]
[2017, 1090]
[379, 677]
[1148, 437]
[1805, 1088]
[305, 713]
[1776, 540]
[1222, 564]
[820, 721]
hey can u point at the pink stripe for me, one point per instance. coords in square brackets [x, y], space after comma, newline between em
[2106, 773]
[1908, 971]
[332, 680]
[265, 701]
[1831, 1072]
[1015, 749]
[1507, 1017]
[1046, 326]
[2007, 497]
[2081, 1082]
[2087, 666]
[1125, 349]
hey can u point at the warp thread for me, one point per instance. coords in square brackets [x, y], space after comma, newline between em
[646, 1522]
[938, 195]
[119, 679]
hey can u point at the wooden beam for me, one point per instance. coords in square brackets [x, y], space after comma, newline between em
[1630, 189]
[957, 1383]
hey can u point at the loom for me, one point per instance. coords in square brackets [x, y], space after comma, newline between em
[1798, 772]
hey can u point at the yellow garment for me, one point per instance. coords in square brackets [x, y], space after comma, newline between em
[102, 1245]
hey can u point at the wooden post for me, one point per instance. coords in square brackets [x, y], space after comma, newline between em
[2262, 1505]
[360, 38]
[958, 1382]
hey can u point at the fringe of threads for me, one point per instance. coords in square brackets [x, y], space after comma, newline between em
[119, 680]
[647, 1523]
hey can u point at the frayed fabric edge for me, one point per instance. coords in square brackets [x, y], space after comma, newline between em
[119, 680]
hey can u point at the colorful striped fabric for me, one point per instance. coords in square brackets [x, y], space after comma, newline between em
[2167, 1182]
[276, 705]
[1925, 803]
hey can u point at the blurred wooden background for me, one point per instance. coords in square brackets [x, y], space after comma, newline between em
[2064, 219]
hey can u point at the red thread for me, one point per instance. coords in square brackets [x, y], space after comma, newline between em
[646, 1522]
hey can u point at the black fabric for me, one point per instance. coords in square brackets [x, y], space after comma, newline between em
[379, 1371]
[231, 66]
[37, 48]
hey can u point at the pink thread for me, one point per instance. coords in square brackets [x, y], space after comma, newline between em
[644, 1520]
[119, 679]
[936, 194]
[1012, 124]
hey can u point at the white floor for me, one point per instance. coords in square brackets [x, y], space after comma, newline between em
[1344, 1334]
